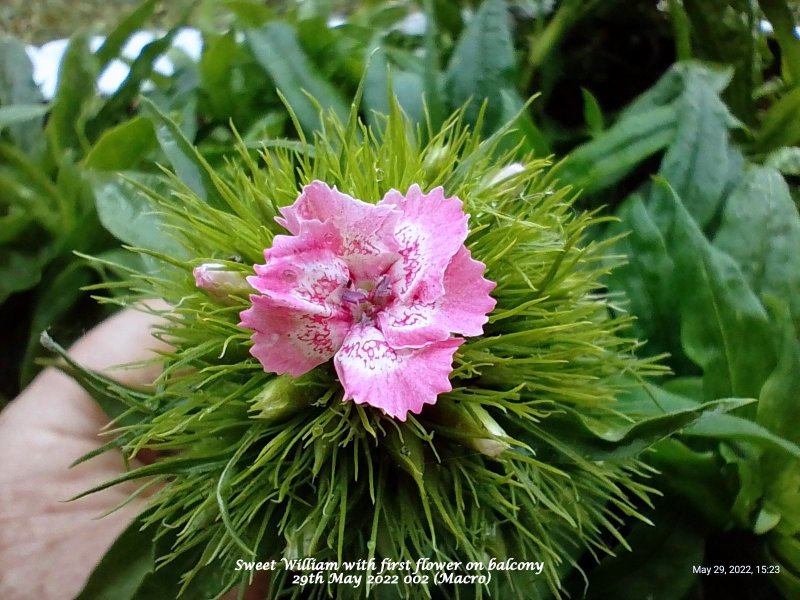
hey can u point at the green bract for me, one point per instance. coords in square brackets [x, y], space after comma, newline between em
[530, 457]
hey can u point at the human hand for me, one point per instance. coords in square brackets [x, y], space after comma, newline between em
[48, 547]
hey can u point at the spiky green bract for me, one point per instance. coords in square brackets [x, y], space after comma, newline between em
[255, 465]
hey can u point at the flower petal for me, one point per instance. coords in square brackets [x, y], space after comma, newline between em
[366, 230]
[430, 231]
[303, 272]
[396, 381]
[462, 308]
[292, 342]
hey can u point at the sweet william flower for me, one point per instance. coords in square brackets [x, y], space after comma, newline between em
[385, 289]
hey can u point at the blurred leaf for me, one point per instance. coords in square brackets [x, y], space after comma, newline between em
[482, 63]
[592, 113]
[15, 114]
[780, 14]
[76, 89]
[724, 328]
[216, 69]
[599, 440]
[407, 88]
[522, 129]
[190, 167]
[54, 299]
[786, 160]
[277, 50]
[18, 88]
[122, 147]
[124, 566]
[121, 101]
[249, 13]
[431, 75]
[115, 42]
[659, 564]
[20, 270]
[127, 214]
[700, 164]
[780, 125]
[606, 159]
[761, 230]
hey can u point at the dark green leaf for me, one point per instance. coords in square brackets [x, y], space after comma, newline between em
[120, 573]
[17, 87]
[482, 63]
[700, 164]
[592, 113]
[277, 50]
[77, 74]
[724, 328]
[659, 565]
[115, 42]
[646, 277]
[608, 158]
[127, 214]
[761, 230]
[19, 270]
[780, 126]
[190, 167]
[122, 147]
[596, 439]
[14, 114]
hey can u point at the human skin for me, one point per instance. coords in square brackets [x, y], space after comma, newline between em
[48, 546]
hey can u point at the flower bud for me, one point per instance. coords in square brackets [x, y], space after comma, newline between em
[280, 398]
[220, 283]
[472, 425]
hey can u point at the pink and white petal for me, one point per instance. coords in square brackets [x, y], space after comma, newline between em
[430, 231]
[287, 341]
[367, 230]
[313, 235]
[467, 302]
[462, 308]
[303, 272]
[396, 381]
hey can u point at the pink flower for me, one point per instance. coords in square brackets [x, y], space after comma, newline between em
[380, 288]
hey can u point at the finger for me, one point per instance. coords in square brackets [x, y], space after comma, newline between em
[53, 400]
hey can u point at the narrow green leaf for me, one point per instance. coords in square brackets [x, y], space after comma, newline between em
[124, 566]
[780, 125]
[277, 50]
[115, 42]
[122, 147]
[482, 63]
[700, 164]
[608, 158]
[15, 114]
[76, 78]
[597, 440]
[592, 113]
[186, 161]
